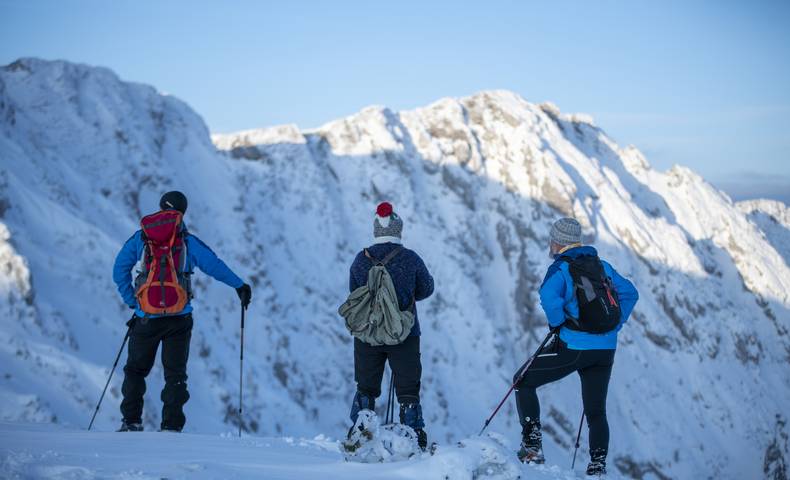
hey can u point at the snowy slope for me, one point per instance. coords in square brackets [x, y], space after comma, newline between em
[773, 218]
[37, 451]
[700, 386]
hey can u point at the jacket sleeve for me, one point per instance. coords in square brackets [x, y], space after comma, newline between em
[122, 268]
[208, 262]
[424, 285]
[626, 294]
[354, 281]
[552, 298]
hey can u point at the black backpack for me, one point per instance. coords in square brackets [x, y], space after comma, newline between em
[599, 307]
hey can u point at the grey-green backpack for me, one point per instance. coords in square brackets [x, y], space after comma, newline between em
[371, 311]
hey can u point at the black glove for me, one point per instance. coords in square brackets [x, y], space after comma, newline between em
[245, 295]
[516, 375]
[131, 321]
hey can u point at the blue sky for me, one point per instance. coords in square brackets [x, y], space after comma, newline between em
[703, 84]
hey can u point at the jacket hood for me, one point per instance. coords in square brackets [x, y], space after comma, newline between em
[577, 252]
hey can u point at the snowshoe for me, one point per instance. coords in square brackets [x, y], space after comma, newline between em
[361, 432]
[531, 455]
[367, 442]
[596, 469]
[166, 428]
[432, 449]
[130, 427]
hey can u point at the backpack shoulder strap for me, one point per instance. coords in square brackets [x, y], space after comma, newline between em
[391, 255]
[383, 262]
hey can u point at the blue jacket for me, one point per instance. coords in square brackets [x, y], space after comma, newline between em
[409, 275]
[558, 299]
[198, 254]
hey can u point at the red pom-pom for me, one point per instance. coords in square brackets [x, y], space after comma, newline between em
[384, 209]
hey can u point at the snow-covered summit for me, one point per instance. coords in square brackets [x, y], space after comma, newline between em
[700, 381]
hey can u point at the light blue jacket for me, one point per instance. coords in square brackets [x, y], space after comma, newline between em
[198, 254]
[558, 299]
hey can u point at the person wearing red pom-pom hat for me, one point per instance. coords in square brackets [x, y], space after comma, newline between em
[412, 282]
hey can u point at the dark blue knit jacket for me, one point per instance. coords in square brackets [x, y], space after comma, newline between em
[409, 275]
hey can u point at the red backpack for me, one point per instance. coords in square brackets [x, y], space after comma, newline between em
[163, 283]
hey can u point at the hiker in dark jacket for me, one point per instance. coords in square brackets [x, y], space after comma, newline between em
[173, 331]
[412, 283]
[589, 354]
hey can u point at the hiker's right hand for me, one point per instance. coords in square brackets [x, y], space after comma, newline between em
[245, 295]
[131, 321]
[517, 375]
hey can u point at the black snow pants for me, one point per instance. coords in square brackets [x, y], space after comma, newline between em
[174, 333]
[404, 361]
[557, 361]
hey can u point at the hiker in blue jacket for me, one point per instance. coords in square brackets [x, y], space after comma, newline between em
[173, 331]
[412, 283]
[577, 349]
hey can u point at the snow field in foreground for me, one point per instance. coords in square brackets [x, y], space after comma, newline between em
[49, 451]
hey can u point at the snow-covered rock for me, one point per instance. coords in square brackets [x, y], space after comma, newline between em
[700, 385]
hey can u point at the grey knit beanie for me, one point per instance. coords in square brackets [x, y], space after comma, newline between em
[387, 226]
[566, 231]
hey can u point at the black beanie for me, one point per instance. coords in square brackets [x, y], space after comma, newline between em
[174, 200]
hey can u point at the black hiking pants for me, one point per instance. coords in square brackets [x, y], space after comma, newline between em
[557, 361]
[174, 334]
[404, 361]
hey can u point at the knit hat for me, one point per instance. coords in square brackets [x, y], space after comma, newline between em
[566, 231]
[387, 225]
[174, 201]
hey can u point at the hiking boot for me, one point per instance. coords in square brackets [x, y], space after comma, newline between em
[167, 428]
[531, 450]
[597, 466]
[411, 416]
[422, 438]
[361, 402]
[130, 427]
[361, 433]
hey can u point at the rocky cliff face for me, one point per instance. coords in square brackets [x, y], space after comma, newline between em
[700, 383]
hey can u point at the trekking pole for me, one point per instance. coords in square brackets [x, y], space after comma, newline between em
[389, 417]
[241, 367]
[578, 436]
[125, 338]
[392, 396]
[519, 375]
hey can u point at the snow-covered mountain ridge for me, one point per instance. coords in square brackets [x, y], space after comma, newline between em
[700, 385]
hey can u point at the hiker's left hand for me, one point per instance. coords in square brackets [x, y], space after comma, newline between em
[245, 295]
